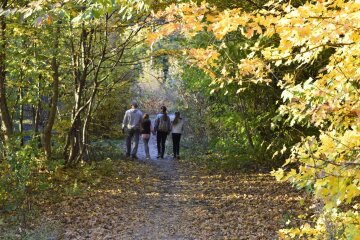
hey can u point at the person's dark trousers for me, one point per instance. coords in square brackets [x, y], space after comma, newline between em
[132, 133]
[161, 140]
[176, 143]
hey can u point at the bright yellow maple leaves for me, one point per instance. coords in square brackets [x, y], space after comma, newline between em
[185, 19]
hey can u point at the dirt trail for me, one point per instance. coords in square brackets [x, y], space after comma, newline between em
[171, 199]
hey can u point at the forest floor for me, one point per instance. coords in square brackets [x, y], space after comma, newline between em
[172, 199]
[168, 199]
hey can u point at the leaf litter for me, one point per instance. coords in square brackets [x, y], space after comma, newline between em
[167, 199]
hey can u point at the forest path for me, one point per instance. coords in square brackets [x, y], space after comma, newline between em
[175, 199]
[172, 199]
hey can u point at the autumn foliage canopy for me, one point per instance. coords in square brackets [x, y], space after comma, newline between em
[282, 35]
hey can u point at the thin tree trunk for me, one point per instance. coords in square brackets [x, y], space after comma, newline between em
[54, 99]
[248, 135]
[36, 118]
[74, 139]
[36, 109]
[84, 138]
[6, 122]
[246, 125]
[91, 100]
[21, 116]
[36, 115]
[77, 138]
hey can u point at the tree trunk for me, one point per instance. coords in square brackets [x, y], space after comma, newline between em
[80, 66]
[77, 139]
[73, 142]
[21, 116]
[36, 108]
[84, 139]
[36, 115]
[246, 125]
[6, 122]
[54, 99]
[91, 100]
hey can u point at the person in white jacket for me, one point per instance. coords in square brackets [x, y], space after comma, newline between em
[132, 125]
[177, 130]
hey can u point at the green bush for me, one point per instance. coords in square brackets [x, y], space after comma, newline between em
[24, 173]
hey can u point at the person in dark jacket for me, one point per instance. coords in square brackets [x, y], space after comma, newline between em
[162, 129]
[146, 129]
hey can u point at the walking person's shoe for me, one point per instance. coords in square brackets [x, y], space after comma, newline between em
[134, 157]
[148, 157]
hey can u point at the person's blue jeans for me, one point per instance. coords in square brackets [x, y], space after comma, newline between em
[146, 146]
[132, 135]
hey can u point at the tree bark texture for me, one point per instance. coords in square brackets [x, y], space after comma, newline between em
[54, 98]
[6, 122]
[74, 142]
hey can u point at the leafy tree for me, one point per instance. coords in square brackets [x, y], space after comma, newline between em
[295, 37]
[60, 61]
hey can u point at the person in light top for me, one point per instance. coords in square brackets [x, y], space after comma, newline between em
[177, 130]
[131, 125]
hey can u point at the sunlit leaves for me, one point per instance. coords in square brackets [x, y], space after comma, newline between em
[329, 164]
[183, 18]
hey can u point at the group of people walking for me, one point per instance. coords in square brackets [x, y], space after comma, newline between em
[136, 124]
